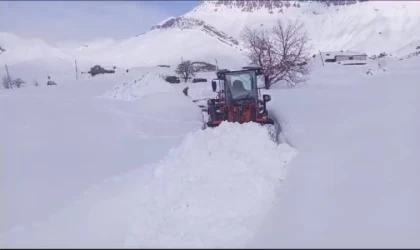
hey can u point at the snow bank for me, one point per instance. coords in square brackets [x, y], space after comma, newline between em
[147, 84]
[211, 191]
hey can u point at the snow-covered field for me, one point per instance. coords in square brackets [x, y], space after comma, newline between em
[90, 162]
[100, 165]
[355, 181]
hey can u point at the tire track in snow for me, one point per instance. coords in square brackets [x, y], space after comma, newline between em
[150, 118]
[137, 130]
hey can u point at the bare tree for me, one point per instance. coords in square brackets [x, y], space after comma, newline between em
[6, 82]
[18, 82]
[9, 83]
[282, 51]
[185, 69]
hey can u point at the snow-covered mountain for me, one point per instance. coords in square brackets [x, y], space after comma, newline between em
[191, 23]
[168, 43]
[372, 27]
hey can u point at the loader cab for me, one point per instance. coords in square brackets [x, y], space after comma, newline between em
[239, 86]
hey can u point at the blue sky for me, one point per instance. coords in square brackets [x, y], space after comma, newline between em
[58, 21]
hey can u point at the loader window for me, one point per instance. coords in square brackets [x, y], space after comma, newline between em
[240, 85]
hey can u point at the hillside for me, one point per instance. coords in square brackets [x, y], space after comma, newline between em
[18, 49]
[371, 27]
[167, 43]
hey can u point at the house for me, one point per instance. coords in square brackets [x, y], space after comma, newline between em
[338, 56]
[349, 57]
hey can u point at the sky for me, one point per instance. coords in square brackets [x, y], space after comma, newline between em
[82, 21]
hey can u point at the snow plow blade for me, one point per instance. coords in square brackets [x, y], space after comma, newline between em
[273, 129]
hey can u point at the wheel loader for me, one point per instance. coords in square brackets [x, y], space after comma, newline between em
[239, 100]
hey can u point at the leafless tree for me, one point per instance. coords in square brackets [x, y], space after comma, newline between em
[282, 52]
[6, 82]
[185, 69]
[9, 83]
[18, 82]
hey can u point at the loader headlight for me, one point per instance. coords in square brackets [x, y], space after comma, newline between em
[267, 98]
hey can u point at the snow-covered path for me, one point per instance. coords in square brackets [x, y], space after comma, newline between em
[355, 181]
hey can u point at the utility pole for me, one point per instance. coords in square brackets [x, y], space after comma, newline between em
[322, 60]
[8, 77]
[75, 64]
[217, 67]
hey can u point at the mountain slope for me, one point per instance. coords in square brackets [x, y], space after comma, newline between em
[372, 27]
[18, 49]
[169, 42]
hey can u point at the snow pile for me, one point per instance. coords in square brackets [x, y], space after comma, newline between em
[149, 83]
[211, 191]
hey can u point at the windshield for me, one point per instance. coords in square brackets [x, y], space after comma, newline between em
[240, 84]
